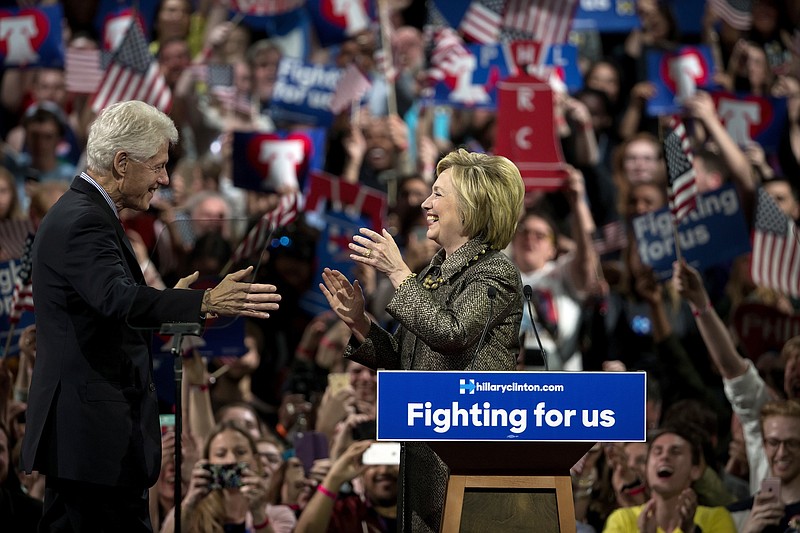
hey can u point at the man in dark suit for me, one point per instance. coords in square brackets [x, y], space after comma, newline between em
[92, 414]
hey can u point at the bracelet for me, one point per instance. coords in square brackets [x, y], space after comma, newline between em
[326, 492]
[304, 351]
[202, 387]
[262, 525]
[699, 312]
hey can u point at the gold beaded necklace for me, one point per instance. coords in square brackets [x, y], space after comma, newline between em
[432, 283]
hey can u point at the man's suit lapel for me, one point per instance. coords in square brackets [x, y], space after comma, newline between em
[97, 198]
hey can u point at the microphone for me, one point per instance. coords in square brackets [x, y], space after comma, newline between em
[491, 292]
[528, 292]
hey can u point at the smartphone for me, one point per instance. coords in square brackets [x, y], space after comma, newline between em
[226, 475]
[167, 423]
[382, 453]
[771, 486]
[309, 447]
[338, 381]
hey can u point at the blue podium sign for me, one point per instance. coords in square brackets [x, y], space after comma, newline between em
[502, 406]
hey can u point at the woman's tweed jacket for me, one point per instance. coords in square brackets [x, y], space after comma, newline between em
[440, 330]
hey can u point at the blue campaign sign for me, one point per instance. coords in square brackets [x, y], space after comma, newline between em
[748, 118]
[689, 15]
[619, 16]
[281, 159]
[31, 37]
[712, 234]
[336, 21]
[502, 406]
[677, 75]
[606, 16]
[470, 81]
[564, 57]
[303, 92]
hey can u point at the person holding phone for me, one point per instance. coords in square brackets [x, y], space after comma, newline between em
[228, 490]
[374, 510]
[777, 502]
[469, 287]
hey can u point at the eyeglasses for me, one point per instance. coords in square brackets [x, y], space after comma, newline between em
[158, 169]
[792, 445]
[536, 234]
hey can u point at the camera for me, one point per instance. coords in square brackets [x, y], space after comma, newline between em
[226, 476]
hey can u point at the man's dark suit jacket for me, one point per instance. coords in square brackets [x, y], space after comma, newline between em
[92, 409]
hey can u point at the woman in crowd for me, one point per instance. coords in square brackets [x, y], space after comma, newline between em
[239, 505]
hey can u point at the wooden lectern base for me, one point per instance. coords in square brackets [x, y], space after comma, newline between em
[509, 486]
[508, 503]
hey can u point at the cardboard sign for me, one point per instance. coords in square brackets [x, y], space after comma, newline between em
[526, 132]
[303, 93]
[713, 233]
[31, 37]
[676, 76]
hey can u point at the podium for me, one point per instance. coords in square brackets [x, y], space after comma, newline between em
[531, 478]
[510, 438]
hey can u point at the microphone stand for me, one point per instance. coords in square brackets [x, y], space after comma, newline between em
[528, 292]
[178, 330]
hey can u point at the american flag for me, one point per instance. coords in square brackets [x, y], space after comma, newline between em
[263, 8]
[22, 298]
[219, 78]
[351, 87]
[232, 99]
[612, 237]
[545, 21]
[83, 70]
[383, 57]
[258, 236]
[776, 248]
[133, 74]
[737, 13]
[13, 235]
[219, 75]
[481, 22]
[447, 44]
[680, 172]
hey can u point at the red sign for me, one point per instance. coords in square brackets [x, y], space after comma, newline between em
[763, 328]
[526, 132]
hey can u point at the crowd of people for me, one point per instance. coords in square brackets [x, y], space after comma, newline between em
[294, 410]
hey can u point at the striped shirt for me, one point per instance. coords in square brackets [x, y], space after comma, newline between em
[97, 186]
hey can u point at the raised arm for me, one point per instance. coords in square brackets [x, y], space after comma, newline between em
[583, 268]
[715, 335]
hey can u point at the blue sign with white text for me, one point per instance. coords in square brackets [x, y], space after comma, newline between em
[677, 75]
[303, 93]
[608, 16]
[502, 406]
[718, 214]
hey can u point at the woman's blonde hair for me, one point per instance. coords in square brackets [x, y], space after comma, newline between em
[490, 194]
